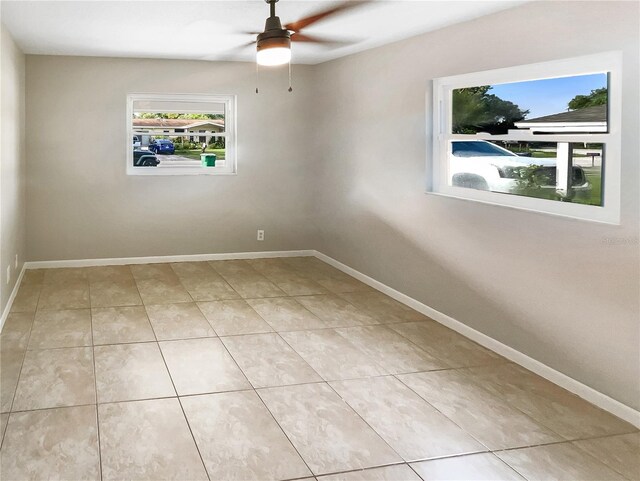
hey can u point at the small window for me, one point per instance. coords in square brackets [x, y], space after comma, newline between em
[543, 137]
[161, 126]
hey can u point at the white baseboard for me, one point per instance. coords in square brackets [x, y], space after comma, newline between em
[595, 397]
[117, 261]
[14, 293]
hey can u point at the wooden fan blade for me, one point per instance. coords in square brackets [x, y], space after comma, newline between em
[305, 22]
[239, 49]
[301, 37]
[229, 54]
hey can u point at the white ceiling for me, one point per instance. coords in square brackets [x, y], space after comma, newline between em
[212, 30]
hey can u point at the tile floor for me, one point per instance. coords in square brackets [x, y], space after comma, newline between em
[273, 369]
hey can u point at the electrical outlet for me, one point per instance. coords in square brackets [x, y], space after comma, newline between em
[260, 235]
[16, 262]
[8, 274]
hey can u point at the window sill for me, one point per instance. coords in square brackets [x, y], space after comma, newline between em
[158, 171]
[581, 212]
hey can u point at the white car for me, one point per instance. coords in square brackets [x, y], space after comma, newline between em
[478, 164]
[136, 142]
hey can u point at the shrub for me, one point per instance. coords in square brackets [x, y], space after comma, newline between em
[217, 143]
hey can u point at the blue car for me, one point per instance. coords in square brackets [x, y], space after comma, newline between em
[162, 146]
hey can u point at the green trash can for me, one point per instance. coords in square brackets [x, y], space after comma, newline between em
[208, 160]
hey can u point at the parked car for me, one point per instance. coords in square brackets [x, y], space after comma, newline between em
[136, 142]
[478, 164]
[162, 146]
[144, 158]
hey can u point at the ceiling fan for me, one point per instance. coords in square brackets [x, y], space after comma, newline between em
[274, 43]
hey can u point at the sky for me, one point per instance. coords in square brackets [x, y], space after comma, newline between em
[548, 96]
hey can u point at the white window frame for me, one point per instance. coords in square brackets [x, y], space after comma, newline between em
[230, 135]
[437, 167]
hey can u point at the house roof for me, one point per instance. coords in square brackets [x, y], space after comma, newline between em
[590, 119]
[596, 113]
[176, 123]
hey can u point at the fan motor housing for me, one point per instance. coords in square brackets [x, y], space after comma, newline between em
[274, 35]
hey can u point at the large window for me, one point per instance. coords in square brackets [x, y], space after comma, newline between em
[180, 134]
[543, 137]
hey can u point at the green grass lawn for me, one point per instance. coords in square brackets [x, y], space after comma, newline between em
[195, 153]
[594, 175]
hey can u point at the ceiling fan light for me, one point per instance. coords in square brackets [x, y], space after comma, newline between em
[273, 56]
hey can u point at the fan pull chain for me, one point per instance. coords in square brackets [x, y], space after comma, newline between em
[257, 78]
[290, 88]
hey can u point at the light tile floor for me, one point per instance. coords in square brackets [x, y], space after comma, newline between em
[273, 369]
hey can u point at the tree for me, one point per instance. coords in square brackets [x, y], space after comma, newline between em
[476, 110]
[596, 97]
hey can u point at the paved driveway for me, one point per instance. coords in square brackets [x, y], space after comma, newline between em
[176, 160]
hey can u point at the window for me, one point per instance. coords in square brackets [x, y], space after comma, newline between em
[542, 137]
[181, 134]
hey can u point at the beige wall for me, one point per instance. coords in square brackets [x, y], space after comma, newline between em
[550, 287]
[12, 163]
[81, 203]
